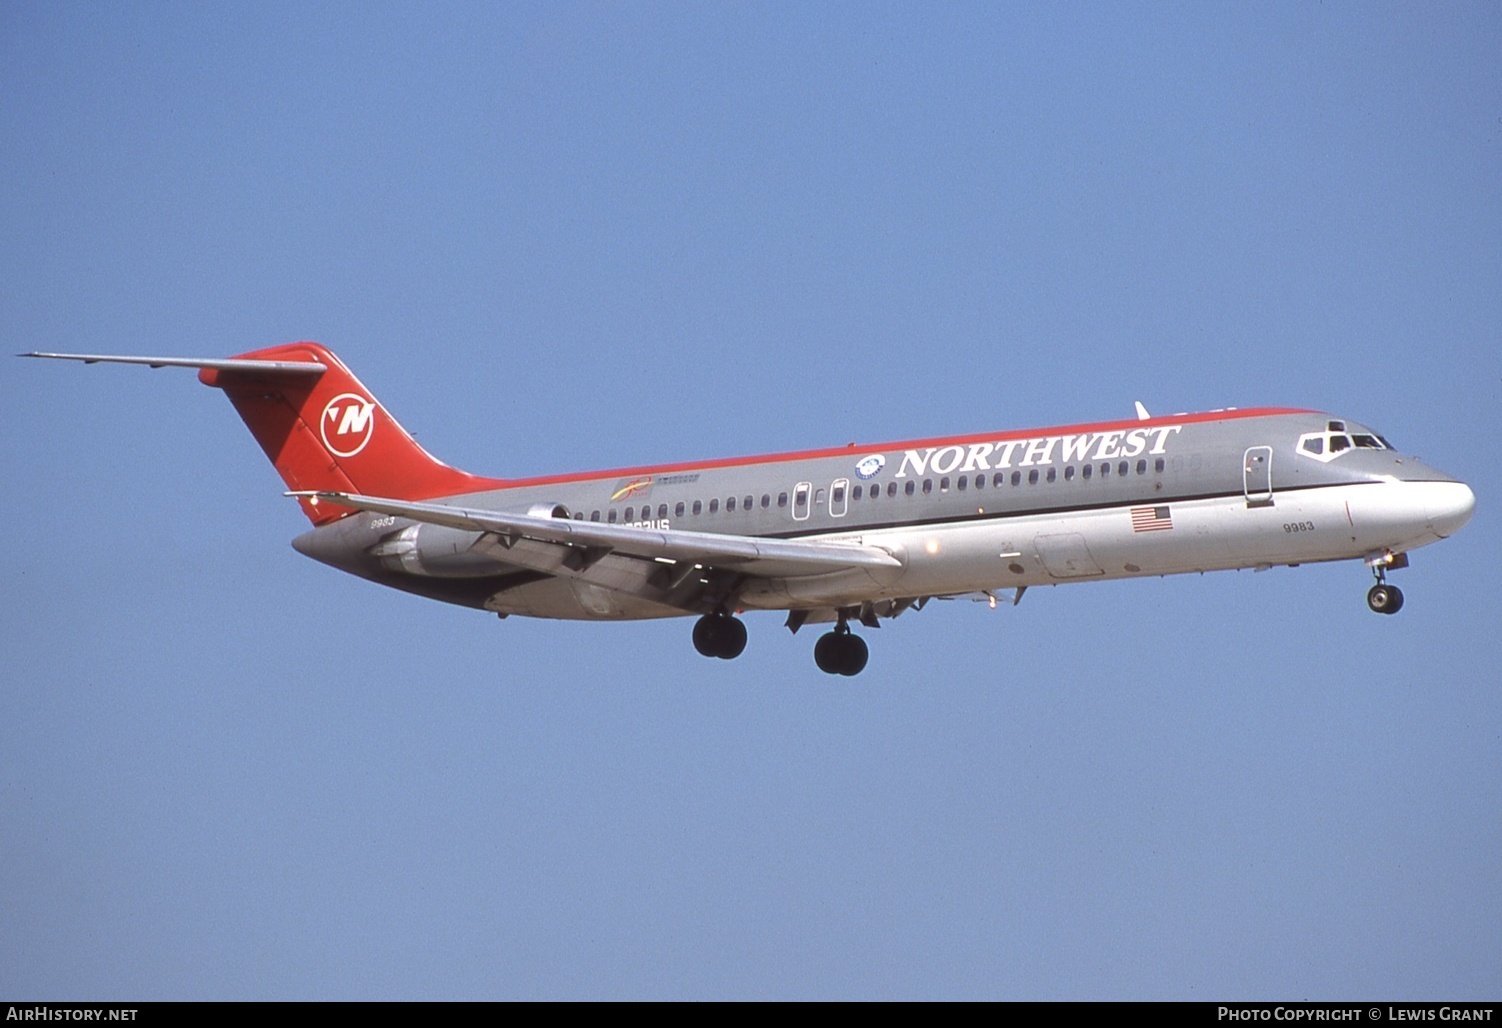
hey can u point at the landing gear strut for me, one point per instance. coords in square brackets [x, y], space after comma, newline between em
[719, 635]
[1384, 598]
[839, 652]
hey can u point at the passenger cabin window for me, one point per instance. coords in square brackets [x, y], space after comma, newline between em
[730, 504]
[628, 516]
[678, 509]
[1158, 465]
[782, 499]
[698, 506]
[1032, 477]
[892, 488]
[1086, 470]
[662, 510]
[766, 500]
[611, 516]
[1069, 473]
[928, 486]
[910, 488]
[714, 506]
[594, 515]
[1000, 478]
[746, 503]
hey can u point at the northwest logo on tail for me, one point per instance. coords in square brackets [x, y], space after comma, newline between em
[347, 424]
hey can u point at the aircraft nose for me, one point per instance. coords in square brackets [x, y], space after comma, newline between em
[1449, 506]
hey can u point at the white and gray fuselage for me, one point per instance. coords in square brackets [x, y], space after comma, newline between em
[975, 514]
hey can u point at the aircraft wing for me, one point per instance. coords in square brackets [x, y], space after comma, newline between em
[580, 545]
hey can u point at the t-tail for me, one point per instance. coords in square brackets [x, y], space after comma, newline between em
[320, 427]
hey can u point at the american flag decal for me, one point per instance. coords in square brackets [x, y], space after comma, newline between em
[1151, 519]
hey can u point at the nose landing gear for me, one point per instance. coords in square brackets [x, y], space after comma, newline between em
[1384, 598]
[720, 635]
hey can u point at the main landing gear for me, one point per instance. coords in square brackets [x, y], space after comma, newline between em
[720, 635]
[1384, 598]
[840, 652]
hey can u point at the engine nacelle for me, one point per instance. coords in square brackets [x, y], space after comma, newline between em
[549, 510]
[437, 551]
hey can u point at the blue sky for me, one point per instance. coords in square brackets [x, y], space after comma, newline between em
[558, 237]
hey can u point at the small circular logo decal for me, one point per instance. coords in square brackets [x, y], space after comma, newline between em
[347, 424]
[870, 467]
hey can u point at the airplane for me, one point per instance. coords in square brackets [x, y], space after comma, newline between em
[851, 534]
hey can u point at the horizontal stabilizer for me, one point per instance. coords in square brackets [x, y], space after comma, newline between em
[753, 555]
[216, 364]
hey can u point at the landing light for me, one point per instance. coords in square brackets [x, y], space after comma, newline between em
[932, 546]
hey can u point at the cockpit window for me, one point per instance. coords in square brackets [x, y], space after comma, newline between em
[1327, 445]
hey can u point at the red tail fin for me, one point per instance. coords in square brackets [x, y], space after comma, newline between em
[328, 432]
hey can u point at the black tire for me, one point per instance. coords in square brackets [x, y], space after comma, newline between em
[1385, 599]
[732, 638]
[827, 653]
[853, 655]
[706, 636]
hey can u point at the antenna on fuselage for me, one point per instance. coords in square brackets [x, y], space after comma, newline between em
[1142, 414]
